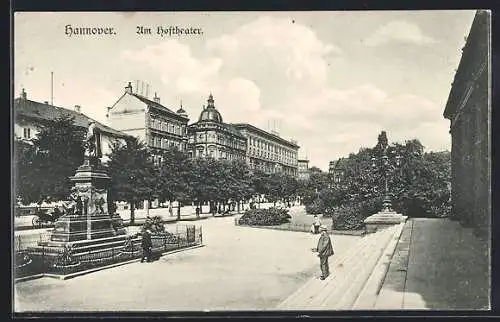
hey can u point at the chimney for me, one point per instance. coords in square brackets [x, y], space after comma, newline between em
[128, 88]
[46, 102]
[108, 108]
[77, 108]
[23, 94]
[156, 99]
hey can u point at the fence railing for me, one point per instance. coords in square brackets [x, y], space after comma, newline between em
[33, 258]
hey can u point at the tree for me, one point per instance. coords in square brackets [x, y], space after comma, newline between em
[419, 186]
[239, 181]
[260, 183]
[318, 180]
[132, 173]
[25, 174]
[174, 175]
[43, 169]
[205, 180]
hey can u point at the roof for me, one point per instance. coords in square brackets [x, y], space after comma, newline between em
[210, 114]
[265, 133]
[42, 111]
[229, 127]
[475, 50]
[158, 105]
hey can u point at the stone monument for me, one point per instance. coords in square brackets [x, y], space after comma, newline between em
[87, 225]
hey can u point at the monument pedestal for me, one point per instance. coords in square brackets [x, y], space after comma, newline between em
[91, 220]
[382, 220]
[75, 228]
[89, 227]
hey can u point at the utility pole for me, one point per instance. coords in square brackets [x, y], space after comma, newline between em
[51, 88]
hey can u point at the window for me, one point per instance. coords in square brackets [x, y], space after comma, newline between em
[27, 133]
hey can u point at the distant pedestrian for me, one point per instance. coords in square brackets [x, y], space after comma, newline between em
[170, 210]
[197, 211]
[316, 224]
[146, 246]
[324, 250]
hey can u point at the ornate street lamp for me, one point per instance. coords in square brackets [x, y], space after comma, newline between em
[386, 166]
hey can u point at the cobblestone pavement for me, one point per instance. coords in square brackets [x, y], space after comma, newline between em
[239, 269]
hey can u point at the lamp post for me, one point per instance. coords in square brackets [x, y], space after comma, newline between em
[386, 167]
[338, 173]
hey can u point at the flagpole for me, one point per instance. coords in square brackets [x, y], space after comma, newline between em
[51, 88]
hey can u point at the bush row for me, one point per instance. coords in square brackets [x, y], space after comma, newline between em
[265, 217]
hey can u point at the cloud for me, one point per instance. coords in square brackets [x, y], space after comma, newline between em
[270, 71]
[399, 31]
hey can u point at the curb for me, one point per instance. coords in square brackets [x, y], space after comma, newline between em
[371, 289]
[331, 232]
[96, 269]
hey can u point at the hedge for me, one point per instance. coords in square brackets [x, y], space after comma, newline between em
[265, 217]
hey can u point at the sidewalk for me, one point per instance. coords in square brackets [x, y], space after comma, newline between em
[444, 266]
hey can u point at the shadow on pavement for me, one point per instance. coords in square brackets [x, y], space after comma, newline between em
[448, 268]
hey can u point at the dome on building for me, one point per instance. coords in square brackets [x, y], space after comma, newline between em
[181, 111]
[209, 113]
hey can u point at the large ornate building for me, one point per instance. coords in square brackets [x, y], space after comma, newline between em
[153, 123]
[211, 137]
[269, 152]
[31, 116]
[468, 109]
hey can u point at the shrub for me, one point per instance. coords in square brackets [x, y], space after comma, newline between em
[155, 224]
[352, 215]
[316, 207]
[265, 217]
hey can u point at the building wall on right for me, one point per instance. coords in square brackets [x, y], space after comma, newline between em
[468, 109]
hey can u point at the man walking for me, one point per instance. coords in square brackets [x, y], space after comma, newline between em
[146, 246]
[324, 250]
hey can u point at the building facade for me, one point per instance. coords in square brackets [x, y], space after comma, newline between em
[211, 137]
[156, 125]
[468, 109]
[269, 152]
[31, 116]
[303, 169]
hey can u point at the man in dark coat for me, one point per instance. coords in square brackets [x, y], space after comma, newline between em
[146, 246]
[324, 250]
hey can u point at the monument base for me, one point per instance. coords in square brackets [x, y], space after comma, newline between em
[76, 228]
[382, 220]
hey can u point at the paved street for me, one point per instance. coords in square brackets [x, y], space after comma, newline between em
[240, 268]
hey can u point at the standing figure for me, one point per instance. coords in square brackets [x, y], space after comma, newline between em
[146, 246]
[316, 224]
[93, 141]
[324, 250]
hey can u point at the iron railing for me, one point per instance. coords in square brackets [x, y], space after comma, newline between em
[33, 257]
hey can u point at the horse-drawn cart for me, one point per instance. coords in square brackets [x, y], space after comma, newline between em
[44, 218]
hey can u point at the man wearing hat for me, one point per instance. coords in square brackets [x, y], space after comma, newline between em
[324, 250]
[146, 246]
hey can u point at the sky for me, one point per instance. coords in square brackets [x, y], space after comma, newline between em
[330, 80]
